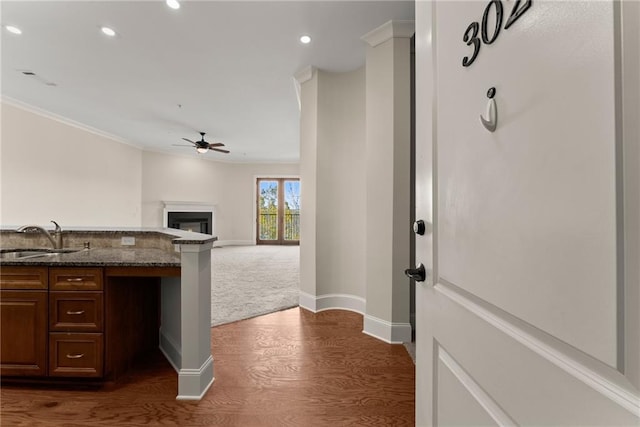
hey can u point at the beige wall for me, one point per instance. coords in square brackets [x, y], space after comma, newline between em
[341, 183]
[230, 187]
[54, 171]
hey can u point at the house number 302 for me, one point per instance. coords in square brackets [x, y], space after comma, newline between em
[495, 6]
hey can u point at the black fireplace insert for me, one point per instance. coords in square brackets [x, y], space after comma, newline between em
[200, 222]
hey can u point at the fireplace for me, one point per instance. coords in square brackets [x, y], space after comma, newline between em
[200, 222]
[189, 216]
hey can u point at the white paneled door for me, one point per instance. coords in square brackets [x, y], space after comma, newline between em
[529, 314]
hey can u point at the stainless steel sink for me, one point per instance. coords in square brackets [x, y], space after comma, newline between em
[33, 253]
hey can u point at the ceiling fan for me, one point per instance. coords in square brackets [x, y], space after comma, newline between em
[203, 146]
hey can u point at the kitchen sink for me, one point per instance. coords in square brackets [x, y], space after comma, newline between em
[33, 253]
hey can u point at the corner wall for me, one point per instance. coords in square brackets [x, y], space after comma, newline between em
[356, 153]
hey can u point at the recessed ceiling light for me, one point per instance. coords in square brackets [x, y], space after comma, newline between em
[12, 29]
[305, 39]
[108, 31]
[173, 4]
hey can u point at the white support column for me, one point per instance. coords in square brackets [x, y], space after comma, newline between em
[388, 157]
[307, 87]
[195, 373]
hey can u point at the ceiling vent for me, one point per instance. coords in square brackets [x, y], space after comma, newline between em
[40, 79]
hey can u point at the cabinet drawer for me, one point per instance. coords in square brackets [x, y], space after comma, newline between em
[23, 277]
[76, 311]
[75, 279]
[75, 355]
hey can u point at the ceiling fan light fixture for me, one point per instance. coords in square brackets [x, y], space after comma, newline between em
[202, 150]
[173, 4]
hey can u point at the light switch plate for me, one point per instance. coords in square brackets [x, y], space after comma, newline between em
[128, 241]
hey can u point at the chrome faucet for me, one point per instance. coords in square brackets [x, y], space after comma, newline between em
[57, 233]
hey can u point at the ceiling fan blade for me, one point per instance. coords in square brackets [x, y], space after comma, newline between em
[182, 145]
[220, 150]
[216, 144]
[188, 140]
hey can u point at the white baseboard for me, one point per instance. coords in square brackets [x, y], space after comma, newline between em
[170, 350]
[307, 301]
[392, 333]
[220, 243]
[332, 302]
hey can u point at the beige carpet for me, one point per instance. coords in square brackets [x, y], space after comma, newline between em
[248, 281]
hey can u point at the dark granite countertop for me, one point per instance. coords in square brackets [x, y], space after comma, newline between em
[100, 257]
[180, 237]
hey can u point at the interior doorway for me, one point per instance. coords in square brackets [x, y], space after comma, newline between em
[278, 211]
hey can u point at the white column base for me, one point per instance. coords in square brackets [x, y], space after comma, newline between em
[193, 384]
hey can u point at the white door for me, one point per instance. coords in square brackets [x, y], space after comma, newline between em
[529, 314]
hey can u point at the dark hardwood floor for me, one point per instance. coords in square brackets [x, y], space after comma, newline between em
[291, 368]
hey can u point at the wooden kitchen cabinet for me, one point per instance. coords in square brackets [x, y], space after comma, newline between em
[76, 319]
[23, 321]
[52, 322]
[61, 323]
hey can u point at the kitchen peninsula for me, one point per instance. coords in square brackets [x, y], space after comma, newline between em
[93, 304]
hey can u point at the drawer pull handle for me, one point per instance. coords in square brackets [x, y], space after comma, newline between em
[75, 279]
[75, 356]
[79, 312]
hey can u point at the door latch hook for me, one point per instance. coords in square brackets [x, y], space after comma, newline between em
[492, 112]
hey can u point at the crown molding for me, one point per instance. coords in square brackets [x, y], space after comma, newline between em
[65, 120]
[389, 30]
[304, 74]
[300, 77]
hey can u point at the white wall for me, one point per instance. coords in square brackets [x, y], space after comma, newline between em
[54, 171]
[341, 183]
[230, 187]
